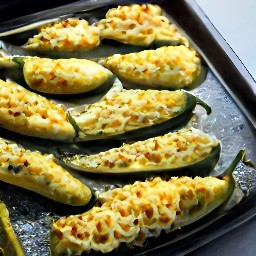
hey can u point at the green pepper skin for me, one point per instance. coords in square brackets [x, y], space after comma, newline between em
[143, 133]
[201, 168]
[189, 209]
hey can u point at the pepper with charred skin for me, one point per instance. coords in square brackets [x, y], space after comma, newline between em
[133, 114]
[133, 213]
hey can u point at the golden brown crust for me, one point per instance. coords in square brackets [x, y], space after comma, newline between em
[134, 11]
[172, 67]
[69, 35]
[64, 76]
[172, 150]
[129, 110]
[39, 173]
[30, 114]
[134, 212]
[139, 25]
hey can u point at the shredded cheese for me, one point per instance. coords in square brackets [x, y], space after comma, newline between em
[133, 213]
[171, 150]
[38, 172]
[130, 110]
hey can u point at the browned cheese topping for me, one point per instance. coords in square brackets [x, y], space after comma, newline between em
[129, 110]
[171, 67]
[69, 35]
[133, 213]
[171, 150]
[39, 173]
[139, 25]
[28, 113]
[64, 76]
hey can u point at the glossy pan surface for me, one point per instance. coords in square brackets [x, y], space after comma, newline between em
[31, 214]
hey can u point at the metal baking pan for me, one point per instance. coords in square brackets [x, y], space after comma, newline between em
[226, 89]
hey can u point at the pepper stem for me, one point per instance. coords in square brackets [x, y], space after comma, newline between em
[204, 105]
[240, 156]
[18, 60]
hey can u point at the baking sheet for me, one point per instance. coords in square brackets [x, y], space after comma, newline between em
[32, 214]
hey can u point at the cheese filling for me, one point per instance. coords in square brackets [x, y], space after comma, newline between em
[171, 150]
[130, 110]
[69, 35]
[133, 213]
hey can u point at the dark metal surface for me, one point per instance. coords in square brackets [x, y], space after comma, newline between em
[14, 9]
[32, 214]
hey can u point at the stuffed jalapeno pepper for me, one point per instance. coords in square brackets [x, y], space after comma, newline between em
[131, 214]
[59, 76]
[132, 114]
[40, 173]
[185, 152]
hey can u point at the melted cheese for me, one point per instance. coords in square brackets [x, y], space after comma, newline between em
[134, 11]
[28, 113]
[173, 67]
[64, 76]
[172, 150]
[139, 25]
[69, 35]
[39, 173]
[133, 213]
[130, 110]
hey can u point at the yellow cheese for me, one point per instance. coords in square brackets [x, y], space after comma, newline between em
[129, 110]
[133, 213]
[69, 35]
[139, 25]
[39, 173]
[64, 76]
[172, 150]
[28, 113]
[172, 67]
